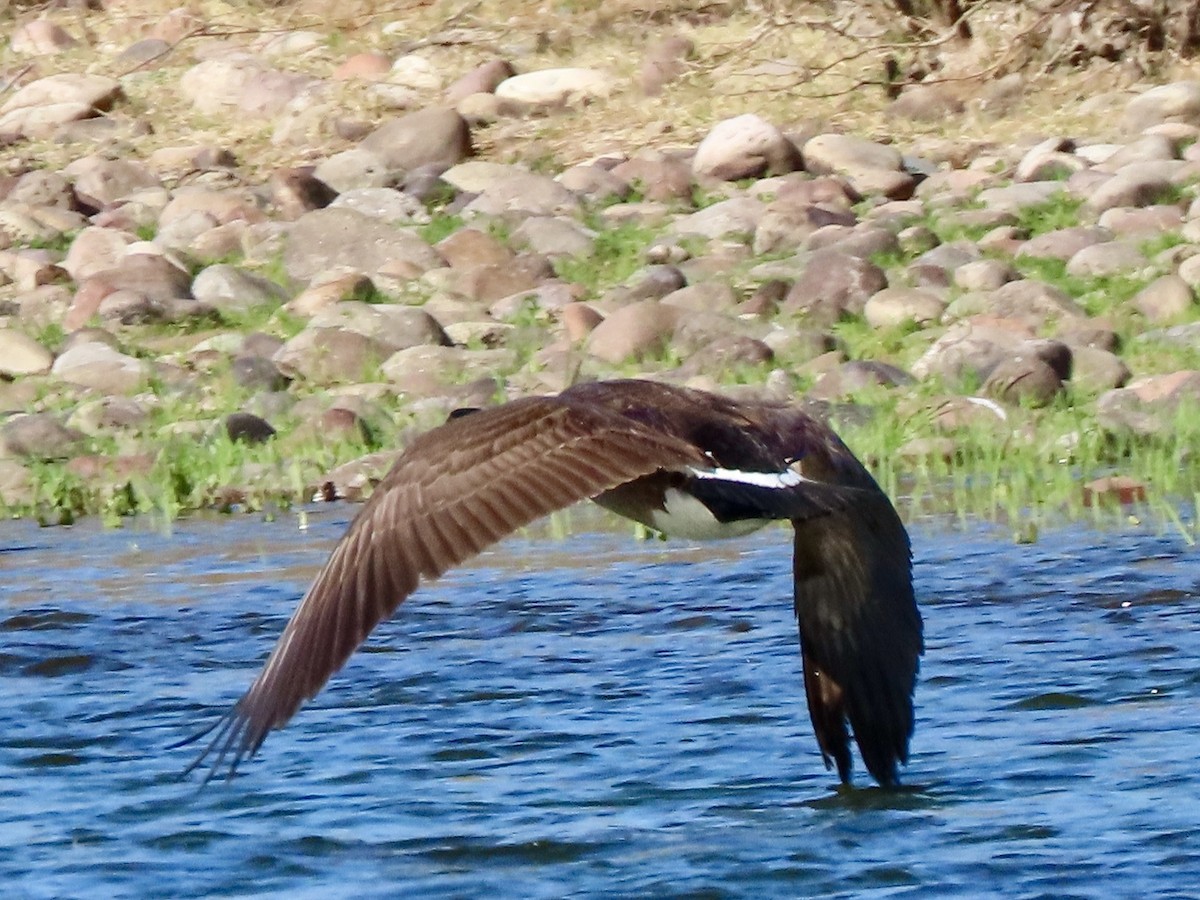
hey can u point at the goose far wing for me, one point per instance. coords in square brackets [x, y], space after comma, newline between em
[456, 490]
[860, 633]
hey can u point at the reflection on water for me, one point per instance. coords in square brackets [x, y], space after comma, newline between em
[591, 717]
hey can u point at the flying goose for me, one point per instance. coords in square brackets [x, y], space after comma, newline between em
[682, 461]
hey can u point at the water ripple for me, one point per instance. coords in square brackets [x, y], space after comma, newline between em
[593, 718]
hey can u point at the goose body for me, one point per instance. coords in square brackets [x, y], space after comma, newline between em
[682, 461]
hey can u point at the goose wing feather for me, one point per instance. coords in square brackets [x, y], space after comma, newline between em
[455, 490]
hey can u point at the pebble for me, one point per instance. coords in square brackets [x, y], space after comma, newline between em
[746, 146]
[552, 88]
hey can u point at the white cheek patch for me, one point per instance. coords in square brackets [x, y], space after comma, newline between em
[788, 478]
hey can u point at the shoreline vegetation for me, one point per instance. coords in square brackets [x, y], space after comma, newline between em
[336, 233]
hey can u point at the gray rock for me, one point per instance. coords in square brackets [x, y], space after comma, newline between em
[1149, 406]
[257, 373]
[354, 168]
[101, 368]
[105, 415]
[391, 206]
[483, 79]
[864, 241]
[786, 224]
[325, 356]
[737, 216]
[554, 237]
[706, 296]
[474, 176]
[1144, 222]
[1023, 379]
[219, 206]
[428, 370]
[1147, 148]
[38, 436]
[292, 96]
[652, 283]
[1034, 301]
[984, 275]
[1094, 370]
[1017, 197]
[38, 108]
[395, 327]
[1176, 102]
[101, 182]
[1040, 164]
[16, 485]
[415, 71]
[228, 287]
[633, 332]
[143, 54]
[523, 194]
[94, 250]
[554, 88]
[1189, 270]
[895, 306]
[40, 37]
[1063, 243]
[834, 285]
[745, 146]
[726, 354]
[967, 352]
[1106, 259]
[42, 188]
[22, 355]
[1165, 299]
[489, 283]
[428, 136]
[215, 85]
[843, 154]
[328, 238]
[470, 247]
[856, 376]
[1128, 189]
[152, 276]
[882, 183]
[950, 256]
[595, 184]
[658, 177]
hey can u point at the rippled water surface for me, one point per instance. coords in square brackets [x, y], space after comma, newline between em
[594, 717]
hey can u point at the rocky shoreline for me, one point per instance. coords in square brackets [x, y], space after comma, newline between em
[165, 312]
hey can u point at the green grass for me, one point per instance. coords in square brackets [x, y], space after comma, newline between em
[1024, 483]
[617, 254]
[1055, 212]
[442, 225]
[1099, 295]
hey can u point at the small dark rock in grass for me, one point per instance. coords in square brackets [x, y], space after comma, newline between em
[1024, 379]
[1115, 488]
[247, 428]
[258, 373]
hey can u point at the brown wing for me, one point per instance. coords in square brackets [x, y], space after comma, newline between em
[860, 633]
[455, 490]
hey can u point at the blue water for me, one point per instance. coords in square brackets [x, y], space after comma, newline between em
[593, 717]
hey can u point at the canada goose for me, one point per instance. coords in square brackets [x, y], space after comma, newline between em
[683, 461]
